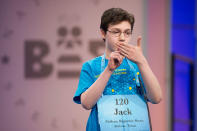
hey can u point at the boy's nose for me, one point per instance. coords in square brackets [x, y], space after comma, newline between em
[122, 37]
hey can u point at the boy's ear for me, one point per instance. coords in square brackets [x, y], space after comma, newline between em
[102, 33]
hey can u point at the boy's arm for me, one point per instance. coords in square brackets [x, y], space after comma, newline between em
[153, 90]
[94, 92]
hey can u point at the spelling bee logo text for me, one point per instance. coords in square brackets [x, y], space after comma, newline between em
[36, 50]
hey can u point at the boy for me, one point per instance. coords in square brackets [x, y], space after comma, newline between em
[111, 74]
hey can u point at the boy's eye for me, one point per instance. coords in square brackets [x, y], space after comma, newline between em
[128, 33]
[115, 32]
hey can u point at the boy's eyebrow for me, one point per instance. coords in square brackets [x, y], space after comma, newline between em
[120, 29]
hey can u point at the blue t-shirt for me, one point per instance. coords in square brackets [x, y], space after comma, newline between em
[90, 72]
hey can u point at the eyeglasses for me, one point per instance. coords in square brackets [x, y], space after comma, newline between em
[117, 33]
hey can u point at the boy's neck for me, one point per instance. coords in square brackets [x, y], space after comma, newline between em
[107, 53]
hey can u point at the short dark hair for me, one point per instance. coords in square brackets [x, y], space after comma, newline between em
[115, 16]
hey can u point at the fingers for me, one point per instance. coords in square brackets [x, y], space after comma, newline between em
[119, 51]
[117, 58]
[124, 54]
[123, 51]
[124, 47]
[126, 50]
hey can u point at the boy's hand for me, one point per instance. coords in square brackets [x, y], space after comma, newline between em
[133, 53]
[115, 60]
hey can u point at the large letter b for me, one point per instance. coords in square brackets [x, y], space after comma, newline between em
[35, 50]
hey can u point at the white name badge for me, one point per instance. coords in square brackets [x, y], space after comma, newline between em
[123, 113]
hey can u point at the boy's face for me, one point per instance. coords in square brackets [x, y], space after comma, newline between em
[116, 34]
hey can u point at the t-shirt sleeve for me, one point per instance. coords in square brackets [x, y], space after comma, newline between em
[85, 81]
